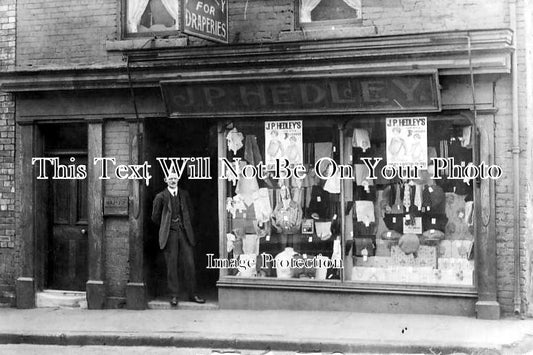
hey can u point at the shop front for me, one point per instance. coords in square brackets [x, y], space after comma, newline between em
[345, 175]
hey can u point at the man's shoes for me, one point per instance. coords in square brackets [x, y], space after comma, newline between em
[174, 301]
[196, 299]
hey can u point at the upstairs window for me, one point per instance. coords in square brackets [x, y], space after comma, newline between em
[320, 11]
[150, 16]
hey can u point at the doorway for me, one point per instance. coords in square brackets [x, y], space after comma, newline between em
[182, 138]
[66, 264]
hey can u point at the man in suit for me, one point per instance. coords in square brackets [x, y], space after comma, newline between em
[173, 213]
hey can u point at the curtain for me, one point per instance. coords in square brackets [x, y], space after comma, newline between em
[135, 11]
[306, 7]
[173, 8]
[354, 4]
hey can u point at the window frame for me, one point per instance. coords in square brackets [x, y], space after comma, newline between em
[324, 23]
[127, 35]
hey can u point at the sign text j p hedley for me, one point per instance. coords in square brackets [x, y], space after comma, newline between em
[207, 19]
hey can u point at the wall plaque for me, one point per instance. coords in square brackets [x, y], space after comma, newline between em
[115, 206]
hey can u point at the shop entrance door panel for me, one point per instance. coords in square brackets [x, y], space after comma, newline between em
[68, 246]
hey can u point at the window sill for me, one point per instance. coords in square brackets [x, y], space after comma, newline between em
[349, 286]
[327, 32]
[145, 43]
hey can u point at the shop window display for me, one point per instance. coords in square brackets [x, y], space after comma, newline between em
[396, 229]
[417, 230]
[276, 222]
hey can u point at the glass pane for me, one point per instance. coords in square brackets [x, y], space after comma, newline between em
[333, 10]
[278, 227]
[414, 229]
[155, 17]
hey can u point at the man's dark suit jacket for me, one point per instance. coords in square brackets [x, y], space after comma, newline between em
[162, 215]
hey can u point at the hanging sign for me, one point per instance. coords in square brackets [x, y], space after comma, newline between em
[283, 140]
[407, 142]
[207, 19]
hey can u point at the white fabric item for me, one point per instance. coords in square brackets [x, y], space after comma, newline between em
[323, 230]
[361, 139]
[333, 183]
[354, 4]
[250, 244]
[247, 265]
[306, 6]
[467, 135]
[135, 11]
[361, 176]
[234, 139]
[364, 210]
[262, 205]
[283, 261]
[336, 250]
[231, 239]
[321, 270]
[469, 213]
[418, 196]
[173, 8]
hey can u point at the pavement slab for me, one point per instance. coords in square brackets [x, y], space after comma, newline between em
[279, 330]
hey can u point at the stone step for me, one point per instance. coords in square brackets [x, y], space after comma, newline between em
[60, 299]
[160, 304]
[7, 299]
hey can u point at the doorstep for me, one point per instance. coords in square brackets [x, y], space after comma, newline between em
[60, 299]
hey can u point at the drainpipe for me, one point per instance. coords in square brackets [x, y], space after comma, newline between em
[515, 150]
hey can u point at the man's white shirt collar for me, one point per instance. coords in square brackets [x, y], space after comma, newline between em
[173, 192]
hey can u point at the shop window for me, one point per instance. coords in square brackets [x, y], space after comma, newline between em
[411, 230]
[275, 221]
[149, 16]
[413, 227]
[327, 11]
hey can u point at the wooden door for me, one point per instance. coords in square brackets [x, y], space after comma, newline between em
[68, 246]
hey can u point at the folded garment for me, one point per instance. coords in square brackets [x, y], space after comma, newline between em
[364, 212]
[250, 244]
[323, 230]
[361, 139]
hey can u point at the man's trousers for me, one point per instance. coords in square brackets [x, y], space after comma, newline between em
[179, 251]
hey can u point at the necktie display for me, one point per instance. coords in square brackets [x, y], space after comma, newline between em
[426, 199]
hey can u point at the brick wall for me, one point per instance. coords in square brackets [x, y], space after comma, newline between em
[63, 32]
[259, 20]
[262, 21]
[9, 245]
[60, 32]
[528, 49]
[524, 16]
[504, 194]
[411, 16]
[116, 144]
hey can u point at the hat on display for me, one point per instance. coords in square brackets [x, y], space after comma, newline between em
[409, 243]
[390, 235]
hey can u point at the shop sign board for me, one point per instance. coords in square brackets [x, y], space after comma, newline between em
[115, 206]
[337, 94]
[407, 142]
[207, 19]
[283, 140]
